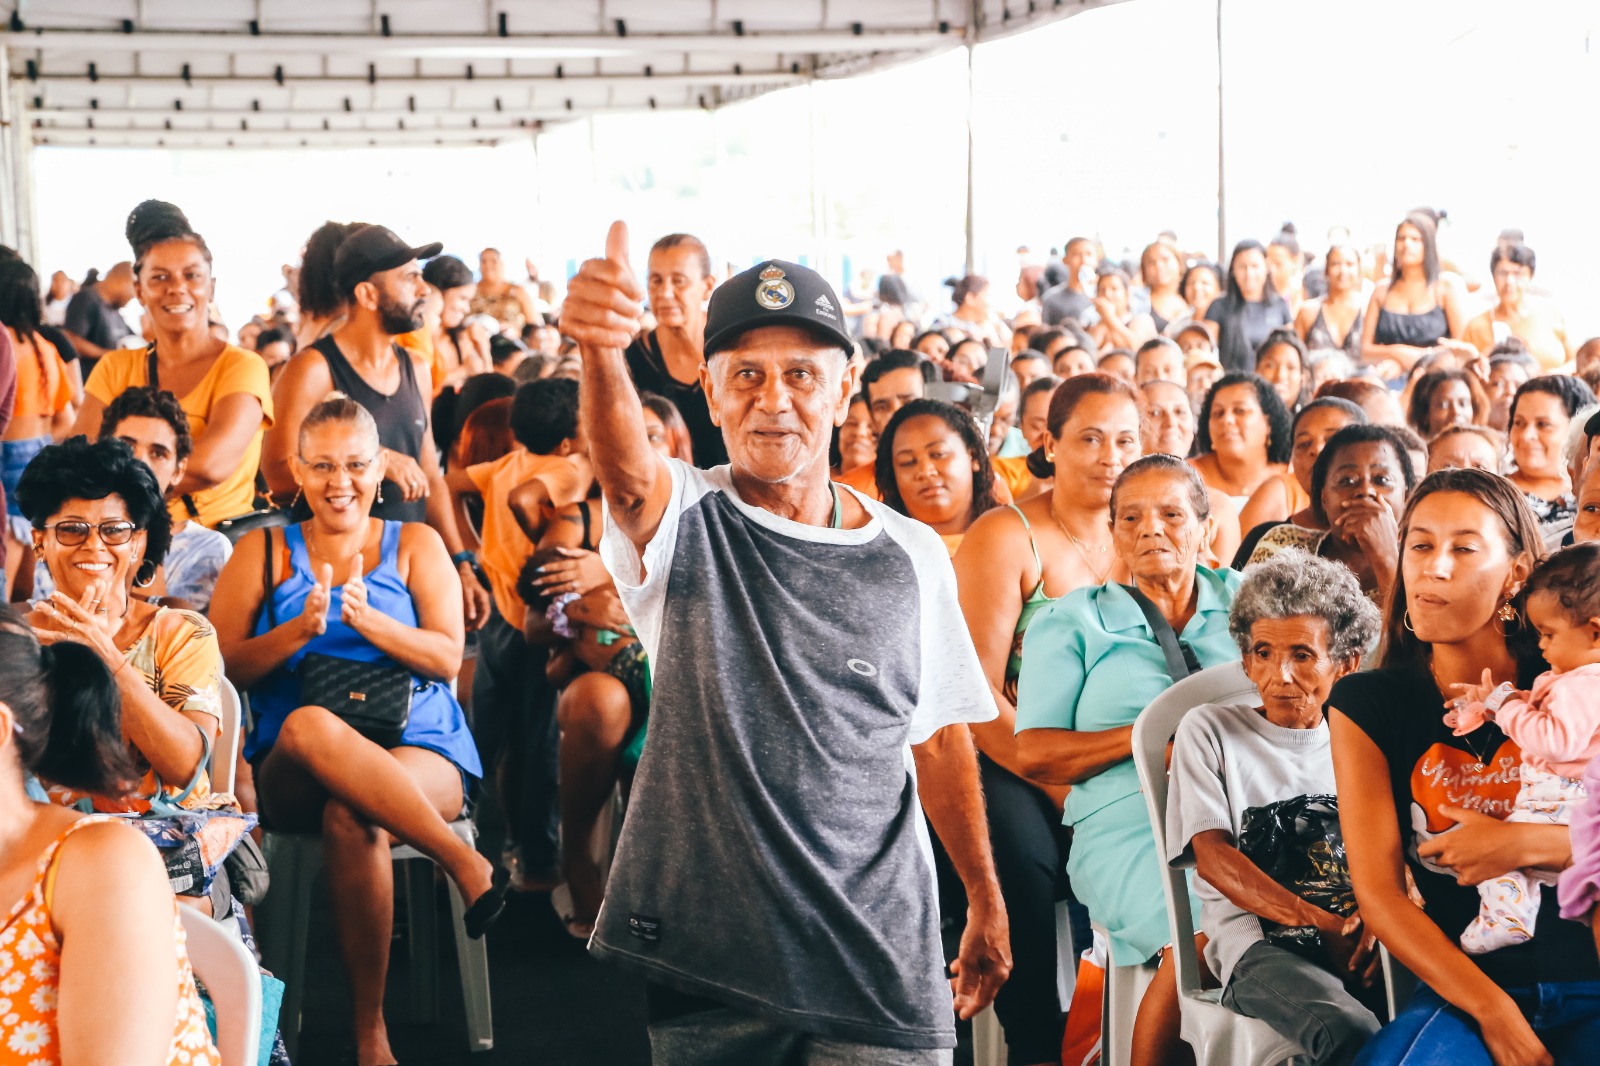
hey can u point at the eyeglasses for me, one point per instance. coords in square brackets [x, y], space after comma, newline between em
[356, 468]
[72, 534]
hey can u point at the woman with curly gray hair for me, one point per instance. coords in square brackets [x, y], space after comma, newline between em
[1301, 623]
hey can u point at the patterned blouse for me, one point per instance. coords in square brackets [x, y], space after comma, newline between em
[30, 968]
[178, 656]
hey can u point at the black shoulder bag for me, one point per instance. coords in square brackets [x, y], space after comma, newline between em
[373, 698]
[1181, 659]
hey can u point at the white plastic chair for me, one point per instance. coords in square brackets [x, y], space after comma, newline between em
[1119, 1003]
[988, 1039]
[1398, 982]
[225, 753]
[225, 966]
[1218, 1035]
[284, 916]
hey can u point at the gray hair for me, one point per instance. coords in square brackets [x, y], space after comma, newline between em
[1294, 583]
[1577, 438]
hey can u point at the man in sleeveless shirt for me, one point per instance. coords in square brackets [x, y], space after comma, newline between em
[774, 880]
[381, 281]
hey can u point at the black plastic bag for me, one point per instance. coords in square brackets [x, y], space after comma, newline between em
[1297, 842]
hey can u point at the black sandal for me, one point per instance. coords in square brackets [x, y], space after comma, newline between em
[486, 909]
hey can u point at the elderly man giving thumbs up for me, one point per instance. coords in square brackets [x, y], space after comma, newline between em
[774, 881]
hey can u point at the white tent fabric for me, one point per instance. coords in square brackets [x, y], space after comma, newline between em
[345, 73]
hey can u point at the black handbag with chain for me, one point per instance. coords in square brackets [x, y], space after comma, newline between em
[373, 698]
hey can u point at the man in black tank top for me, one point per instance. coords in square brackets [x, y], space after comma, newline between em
[378, 275]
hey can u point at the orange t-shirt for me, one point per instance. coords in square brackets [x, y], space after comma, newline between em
[1542, 329]
[1011, 474]
[506, 549]
[420, 342]
[43, 387]
[235, 371]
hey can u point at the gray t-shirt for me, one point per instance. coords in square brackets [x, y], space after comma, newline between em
[1225, 761]
[1061, 303]
[775, 856]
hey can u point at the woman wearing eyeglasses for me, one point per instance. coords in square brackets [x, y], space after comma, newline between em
[380, 593]
[102, 528]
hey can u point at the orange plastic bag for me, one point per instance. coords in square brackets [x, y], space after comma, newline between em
[1080, 1044]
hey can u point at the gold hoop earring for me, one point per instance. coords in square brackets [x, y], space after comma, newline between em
[1510, 620]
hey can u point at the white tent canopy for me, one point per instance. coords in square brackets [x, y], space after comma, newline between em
[341, 73]
[234, 74]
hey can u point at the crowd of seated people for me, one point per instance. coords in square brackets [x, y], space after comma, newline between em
[1368, 481]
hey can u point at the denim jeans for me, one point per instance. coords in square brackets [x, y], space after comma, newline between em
[1431, 1032]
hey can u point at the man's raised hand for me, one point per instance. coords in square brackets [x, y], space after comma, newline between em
[603, 303]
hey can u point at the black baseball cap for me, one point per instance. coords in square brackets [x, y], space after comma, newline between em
[774, 293]
[370, 250]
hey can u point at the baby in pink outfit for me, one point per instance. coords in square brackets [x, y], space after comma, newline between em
[1557, 726]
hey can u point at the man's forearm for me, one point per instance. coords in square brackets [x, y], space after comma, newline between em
[952, 796]
[441, 513]
[624, 463]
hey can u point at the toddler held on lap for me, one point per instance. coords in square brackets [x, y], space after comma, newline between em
[1557, 726]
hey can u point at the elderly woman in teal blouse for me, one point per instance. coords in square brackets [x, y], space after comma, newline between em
[1090, 664]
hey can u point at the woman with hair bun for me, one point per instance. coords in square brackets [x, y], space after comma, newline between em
[1013, 562]
[973, 314]
[87, 906]
[225, 390]
[321, 307]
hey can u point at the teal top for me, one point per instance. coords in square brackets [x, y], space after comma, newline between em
[1092, 663]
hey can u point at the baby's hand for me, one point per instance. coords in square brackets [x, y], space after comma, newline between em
[1477, 693]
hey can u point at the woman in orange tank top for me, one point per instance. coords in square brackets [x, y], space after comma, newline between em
[92, 960]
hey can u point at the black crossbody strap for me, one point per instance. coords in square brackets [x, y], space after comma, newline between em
[266, 582]
[152, 373]
[1177, 664]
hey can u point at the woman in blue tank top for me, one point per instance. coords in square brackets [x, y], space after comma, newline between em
[348, 586]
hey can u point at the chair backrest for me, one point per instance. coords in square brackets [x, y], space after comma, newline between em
[225, 753]
[1151, 732]
[225, 966]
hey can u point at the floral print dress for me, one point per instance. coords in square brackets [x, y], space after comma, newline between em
[30, 967]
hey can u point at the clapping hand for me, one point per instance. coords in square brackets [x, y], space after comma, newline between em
[86, 620]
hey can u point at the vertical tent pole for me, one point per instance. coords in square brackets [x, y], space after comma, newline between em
[972, 38]
[1222, 170]
[9, 164]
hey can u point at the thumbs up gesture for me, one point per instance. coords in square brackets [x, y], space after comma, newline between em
[314, 613]
[603, 303]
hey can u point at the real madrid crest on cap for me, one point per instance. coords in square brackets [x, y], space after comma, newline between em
[774, 292]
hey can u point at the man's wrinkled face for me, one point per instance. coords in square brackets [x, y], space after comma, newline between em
[777, 395]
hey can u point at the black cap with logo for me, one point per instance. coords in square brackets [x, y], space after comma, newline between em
[775, 293]
[370, 250]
